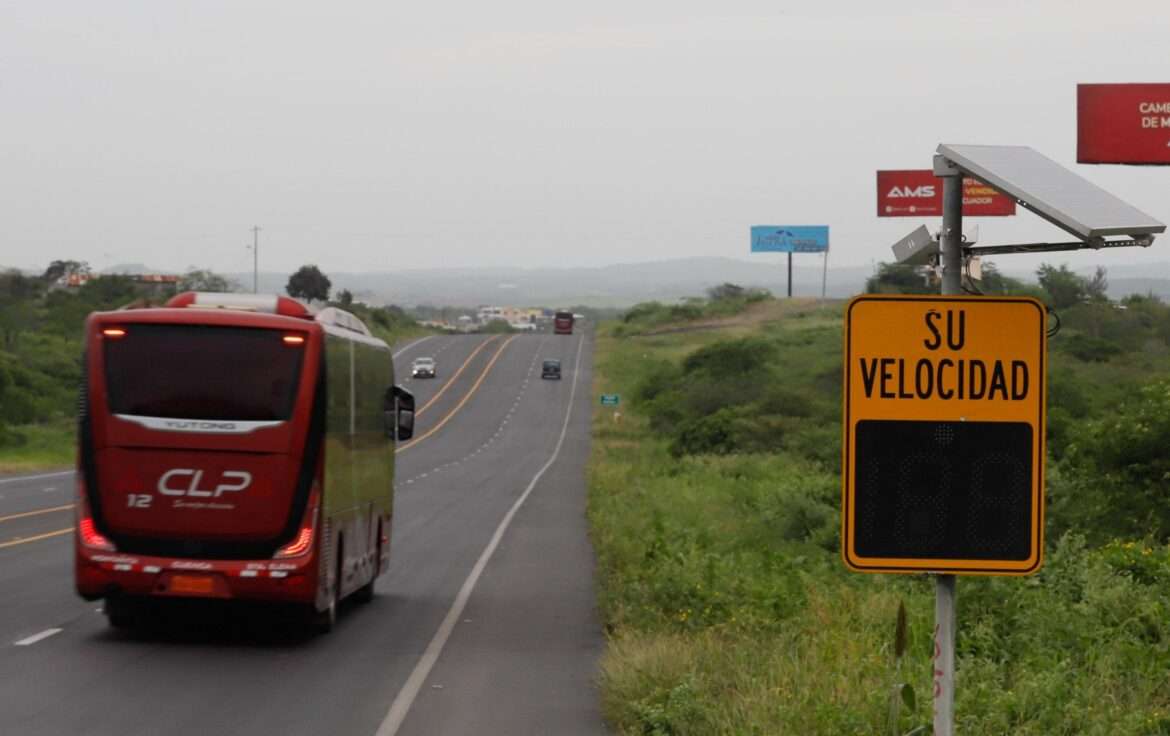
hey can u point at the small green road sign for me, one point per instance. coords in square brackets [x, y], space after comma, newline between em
[610, 399]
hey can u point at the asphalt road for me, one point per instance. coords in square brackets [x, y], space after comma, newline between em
[484, 624]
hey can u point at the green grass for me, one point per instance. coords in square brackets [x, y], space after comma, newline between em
[728, 610]
[33, 447]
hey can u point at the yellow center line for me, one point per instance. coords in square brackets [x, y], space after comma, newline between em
[38, 512]
[26, 540]
[451, 380]
[487, 369]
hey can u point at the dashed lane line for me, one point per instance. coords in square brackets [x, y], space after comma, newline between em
[494, 437]
[30, 640]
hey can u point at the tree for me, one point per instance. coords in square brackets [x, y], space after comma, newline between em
[1097, 287]
[18, 294]
[725, 291]
[1064, 287]
[204, 280]
[309, 283]
[894, 278]
[57, 269]
[345, 298]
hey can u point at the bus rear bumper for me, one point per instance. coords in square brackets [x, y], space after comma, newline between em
[101, 574]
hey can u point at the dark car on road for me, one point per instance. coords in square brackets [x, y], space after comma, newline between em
[551, 369]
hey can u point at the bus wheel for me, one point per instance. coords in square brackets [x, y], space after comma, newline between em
[120, 612]
[324, 621]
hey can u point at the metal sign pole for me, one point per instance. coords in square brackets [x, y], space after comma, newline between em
[825, 273]
[950, 245]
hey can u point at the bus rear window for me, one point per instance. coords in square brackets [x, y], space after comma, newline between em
[202, 372]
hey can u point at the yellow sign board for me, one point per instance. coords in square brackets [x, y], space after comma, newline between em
[943, 447]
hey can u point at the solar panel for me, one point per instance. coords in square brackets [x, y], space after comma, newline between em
[1051, 191]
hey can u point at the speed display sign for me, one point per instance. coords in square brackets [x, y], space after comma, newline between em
[943, 443]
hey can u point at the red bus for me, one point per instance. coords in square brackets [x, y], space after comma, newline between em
[235, 447]
[563, 323]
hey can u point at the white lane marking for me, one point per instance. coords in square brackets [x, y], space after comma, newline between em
[410, 345]
[492, 439]
[405, 698]
[50, 489]
[37, 477]
[30, 640]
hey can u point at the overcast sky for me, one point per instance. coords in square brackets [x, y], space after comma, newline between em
[385, 136]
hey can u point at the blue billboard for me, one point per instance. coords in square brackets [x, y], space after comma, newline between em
[790, 238]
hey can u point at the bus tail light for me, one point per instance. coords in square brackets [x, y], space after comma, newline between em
[114, 333]
[87, 530]
[303, 541]
[296, 340]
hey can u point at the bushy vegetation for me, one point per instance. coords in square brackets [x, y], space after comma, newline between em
[715, 512]
[40, 351]
[721, 301]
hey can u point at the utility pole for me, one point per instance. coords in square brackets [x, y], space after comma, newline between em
[951, 247]
[255, 259]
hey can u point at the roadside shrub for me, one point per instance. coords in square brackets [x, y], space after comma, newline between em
[709, 434]
[731, 357]
[1090, 348]
[640, 312]
[1117, 471]
[658, 378]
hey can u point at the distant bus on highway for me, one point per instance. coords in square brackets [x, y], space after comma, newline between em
[237, 447]
[563, 323]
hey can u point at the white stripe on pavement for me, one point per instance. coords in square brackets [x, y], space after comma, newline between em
[405, 698]
[37, 637]
[410, 345]
[36, 477]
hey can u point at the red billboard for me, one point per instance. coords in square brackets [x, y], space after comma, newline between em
[918, 192]
[1123, 123]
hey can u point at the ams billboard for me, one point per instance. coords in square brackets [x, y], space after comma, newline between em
[918, 192]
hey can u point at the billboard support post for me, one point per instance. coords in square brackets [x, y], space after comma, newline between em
[951, 247]
[824, 273]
